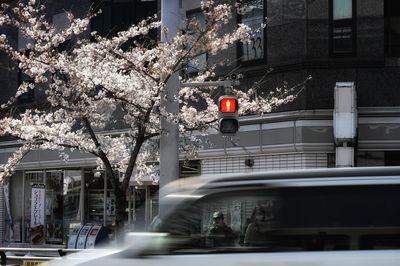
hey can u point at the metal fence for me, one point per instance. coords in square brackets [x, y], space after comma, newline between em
[31, 256]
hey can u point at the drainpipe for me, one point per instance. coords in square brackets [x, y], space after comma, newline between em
[345, 123]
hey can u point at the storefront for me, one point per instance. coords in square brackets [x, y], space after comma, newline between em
[71, 197]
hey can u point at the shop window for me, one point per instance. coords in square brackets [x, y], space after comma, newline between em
[199, 62]
[252, 14]
[14, 208]
[343, 27]
[19, 228]
[146, 206]
[72, 187]
[31, 178]
[54, 207]
[95, 204]
[392, 28]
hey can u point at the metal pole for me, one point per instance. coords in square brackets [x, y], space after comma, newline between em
[133, 207]
[169, 157]
[82, 198]
[105, 199]
[23, 227]
[129, 206]
[146, 208]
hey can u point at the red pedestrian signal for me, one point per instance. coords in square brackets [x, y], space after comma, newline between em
[228, 115]
[228, 105]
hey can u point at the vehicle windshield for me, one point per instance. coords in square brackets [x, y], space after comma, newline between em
[289, 219]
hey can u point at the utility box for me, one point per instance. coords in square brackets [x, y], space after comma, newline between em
[73, 237]
[344, 156]
[83, 234]
[98, 234]
[345, 113]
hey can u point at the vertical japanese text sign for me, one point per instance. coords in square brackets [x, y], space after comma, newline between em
[37, 213]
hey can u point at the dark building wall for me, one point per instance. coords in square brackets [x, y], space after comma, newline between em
[120, 19]
[286, 32]
[78, 7]
[9, 70]
[370, 29]
[8, 75]
[317, 29]
[299, 43]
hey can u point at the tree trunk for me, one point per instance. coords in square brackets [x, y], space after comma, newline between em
[120, 217]
[120, 204]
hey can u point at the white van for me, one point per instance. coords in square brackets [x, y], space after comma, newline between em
[292, 218]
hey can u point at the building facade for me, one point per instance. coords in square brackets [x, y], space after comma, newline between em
[332, 41]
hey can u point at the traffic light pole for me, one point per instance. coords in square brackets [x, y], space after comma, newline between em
[220, 83]
[169, 156]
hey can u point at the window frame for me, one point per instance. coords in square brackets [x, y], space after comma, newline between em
[387, 18]
[353, 25]
[194, 71]
[239, 48]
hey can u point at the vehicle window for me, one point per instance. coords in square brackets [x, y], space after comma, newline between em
[290, 219]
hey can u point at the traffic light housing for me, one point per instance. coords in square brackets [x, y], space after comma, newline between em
[228, 115]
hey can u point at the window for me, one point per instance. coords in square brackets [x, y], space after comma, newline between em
[370, 158]
[343, 27]
[94, 199]
[54, 207]
[199, 62]
[392, 28]
[115, 16]
[27, 97]
[32, 178]
[189, 168]
[252, 13]
[119, 15]
[378, 158]
[14, 207]
[289, 219]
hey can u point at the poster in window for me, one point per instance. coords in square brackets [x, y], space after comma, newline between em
[17, 232]
[54, 233]
[37, 214]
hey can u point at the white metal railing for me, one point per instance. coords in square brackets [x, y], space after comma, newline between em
[32, 256]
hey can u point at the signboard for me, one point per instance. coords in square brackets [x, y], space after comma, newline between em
[38, 205]
[83, 234]
[7, 200]
[73, 236]
[91, 240]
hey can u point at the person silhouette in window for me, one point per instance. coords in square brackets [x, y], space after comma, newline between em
[262, 219]
[219, 234]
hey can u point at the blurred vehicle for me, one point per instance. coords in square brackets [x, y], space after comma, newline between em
[293, 218]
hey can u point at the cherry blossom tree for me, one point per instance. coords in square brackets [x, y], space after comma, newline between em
[87, 85]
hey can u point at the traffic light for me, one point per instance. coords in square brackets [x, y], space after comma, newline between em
[228, 115]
